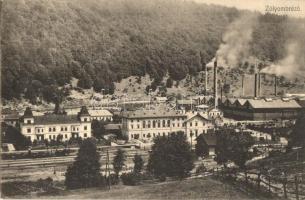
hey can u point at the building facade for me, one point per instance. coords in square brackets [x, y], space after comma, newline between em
[51, 126]
[148, 124]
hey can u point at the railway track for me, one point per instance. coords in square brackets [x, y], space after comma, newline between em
[5, 164]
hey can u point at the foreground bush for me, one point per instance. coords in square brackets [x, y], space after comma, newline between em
[131, 178]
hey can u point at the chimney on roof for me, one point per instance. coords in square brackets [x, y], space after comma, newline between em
[215, 83]
[255, 85]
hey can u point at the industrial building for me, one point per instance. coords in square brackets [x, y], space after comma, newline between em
[261, 109]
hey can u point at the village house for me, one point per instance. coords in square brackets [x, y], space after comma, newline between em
[50, 126]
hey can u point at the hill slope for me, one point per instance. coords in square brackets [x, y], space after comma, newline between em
[46, 43]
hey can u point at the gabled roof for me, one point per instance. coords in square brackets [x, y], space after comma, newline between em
[198, 115]
[275, 103]
[241, 101]
[94, 113]
[210, 139]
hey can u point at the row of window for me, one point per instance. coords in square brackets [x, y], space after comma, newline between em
[164, 124]
[53, 129]
[148, 135]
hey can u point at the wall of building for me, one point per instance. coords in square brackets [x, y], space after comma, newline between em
[49, 132]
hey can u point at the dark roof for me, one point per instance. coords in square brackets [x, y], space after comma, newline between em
[210, 139]
[28, 112]
[152, 114]
[84, 111]
[56, 119]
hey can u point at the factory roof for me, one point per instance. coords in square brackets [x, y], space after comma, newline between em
[152, 114]
[272, 103]
[241, 101]
[56, 119]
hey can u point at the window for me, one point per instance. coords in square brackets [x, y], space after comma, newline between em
[28, 130]
[131, 126]
[85, 119]
[53, 137]
[178, 124]
[42, 130]
[138, 126]
[163, 134]
[85, 128]
[66, 129]
[143, 135]
[131, 120]
[159, 124]
[85, 134]
[38, 130]
[50, 130]
[54, 129]
[50, 137]
[196, 123]
[191, 124]
[173, 124]
[61, 128]
[28, 121]
[148, 124]
[163, 123]
[144, 124]
[168, 123]
[154, 124]
[66, 136]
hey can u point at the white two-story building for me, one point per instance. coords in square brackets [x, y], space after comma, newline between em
[50, 126]
[147, 124]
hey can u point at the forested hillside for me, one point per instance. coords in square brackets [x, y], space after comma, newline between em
[46, 43]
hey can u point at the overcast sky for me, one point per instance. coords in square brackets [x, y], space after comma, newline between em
[261, 5]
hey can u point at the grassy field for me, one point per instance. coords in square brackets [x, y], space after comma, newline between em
[200, 188]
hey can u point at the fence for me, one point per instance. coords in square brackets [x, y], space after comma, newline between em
[289, 188]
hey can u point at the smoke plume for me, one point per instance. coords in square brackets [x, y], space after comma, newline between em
[236, 42]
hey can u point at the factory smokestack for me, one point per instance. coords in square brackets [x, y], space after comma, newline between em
[206, 80]
[259, 84]
[255, 85]
[215, 84]
[242, 85]
[275, 85]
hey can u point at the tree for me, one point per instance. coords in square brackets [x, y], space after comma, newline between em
[297, 137]
[201, 147]
[85, 171]
[10, 134]
[233, 146]
[171, 156]
[138, 163]
[118, 161]
[169, 83]
[98, 128]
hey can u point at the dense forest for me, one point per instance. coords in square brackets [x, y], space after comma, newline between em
[46, 43]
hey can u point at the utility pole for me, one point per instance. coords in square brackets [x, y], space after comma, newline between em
[108, 169]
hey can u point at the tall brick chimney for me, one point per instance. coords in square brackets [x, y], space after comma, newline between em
[215, 84]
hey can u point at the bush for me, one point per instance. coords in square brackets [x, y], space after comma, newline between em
[201, 169]
[114, 180]
[131, 178]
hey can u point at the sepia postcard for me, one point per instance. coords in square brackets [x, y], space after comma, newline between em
[152, 99]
